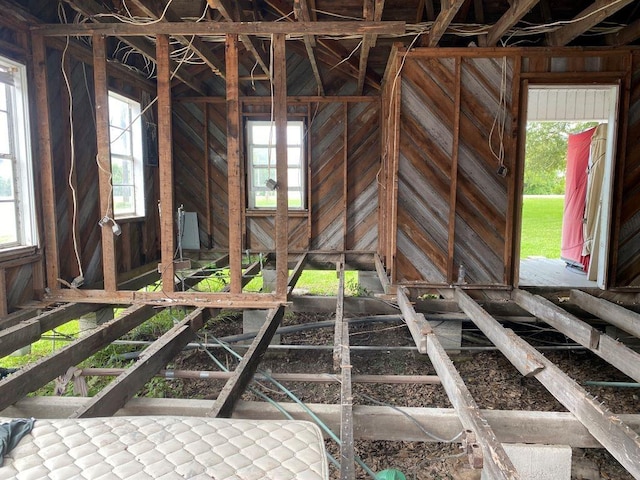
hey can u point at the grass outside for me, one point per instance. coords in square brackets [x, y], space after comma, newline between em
[541, 226]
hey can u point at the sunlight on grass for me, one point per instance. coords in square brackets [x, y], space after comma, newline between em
[541, 226]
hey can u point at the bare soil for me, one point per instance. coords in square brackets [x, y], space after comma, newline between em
[491, 379]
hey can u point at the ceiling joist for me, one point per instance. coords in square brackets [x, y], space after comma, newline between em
[303, 13]
[445, 17]
[585, 20]
[625, 36]
[512, 16]
[372, 10]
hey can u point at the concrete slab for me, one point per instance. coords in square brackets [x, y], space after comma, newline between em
[369, 282]
[539, 462]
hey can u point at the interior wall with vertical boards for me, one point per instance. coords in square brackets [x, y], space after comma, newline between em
[453, 208]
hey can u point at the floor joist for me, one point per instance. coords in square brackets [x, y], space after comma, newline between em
[616, 315]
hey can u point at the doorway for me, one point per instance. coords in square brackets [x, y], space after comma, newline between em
[570, 144]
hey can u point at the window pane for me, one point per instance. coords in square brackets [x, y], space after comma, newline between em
[121, 171]
[260, 176]
[8, 225]
[295, 199]
[118, 113]
[120, 141]
[6, 179]
[262, 133]
[261, 156]
[123, 200]
[294, 134]
[293, 156]
[294, 177]
[265, 199]
[5, 144]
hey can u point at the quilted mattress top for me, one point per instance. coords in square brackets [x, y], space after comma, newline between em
[168, 448]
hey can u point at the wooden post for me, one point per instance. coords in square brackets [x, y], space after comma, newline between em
[109, 270]
[453, 192]
[345, 179]
[233, 164]
[282, 210]
[207, 177]
[48, 196]
[4, 294]
[167, 240]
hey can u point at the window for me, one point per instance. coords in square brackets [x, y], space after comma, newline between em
[17, 227]
[126, 157]
[261, 153]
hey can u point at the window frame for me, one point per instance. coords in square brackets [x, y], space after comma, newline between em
[270, 166]
[14, 76]
[134, 156]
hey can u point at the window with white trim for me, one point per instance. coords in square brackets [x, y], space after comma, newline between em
[127, 176]
[17, 212]
[261, 161]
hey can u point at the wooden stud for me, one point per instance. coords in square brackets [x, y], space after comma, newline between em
[4, 296]
[345, 175]
[282, 207]
[236, 385]
[115, 396]
[616, 315]
[35, 375]
[48, 196]
[207, 177]
[516, 11]
[109, 268]
[453, 187]
[338, 331]
[165, 147]
[233, 164]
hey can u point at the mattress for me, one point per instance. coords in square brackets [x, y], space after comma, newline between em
[168, 448]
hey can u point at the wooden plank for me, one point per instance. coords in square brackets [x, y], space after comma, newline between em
[113, 397]
[35, 375]
[28, 331]
[165, 147]
[610, 350]
[234, 163]
[516, 11]
[595, 13]
[282, 205]
[4, 294]
[338, 330]
[236, 385]
[295, 274]
[302, 13]
[207, 177]
[371, 11]
[48, 195]
[526, 366]
[382, 273]
[347, 454]
[418, 325]
[345, 174]
[221, 28]
[103, 157]
[626, 35]
[622, 442]
[448, 11]
[610, 312]
[453, 188]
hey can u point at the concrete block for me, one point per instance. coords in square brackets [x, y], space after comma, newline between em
[539, 462]
[449, 332]
[622, 336]
[92, 320]
[252, 321]
[26, 350]
[369, 282]
[268, 280]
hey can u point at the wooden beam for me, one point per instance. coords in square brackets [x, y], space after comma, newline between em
[208, 179]
[382, 273]
[236, 385]
[448, 11]
[122, 389]
[595, 13]
[517, 10]
[28, 331]
[35, 375]
[234, 163]
[606, 427]
[418, 325]
[282, 189]
[338, 330]
[125, 30]
[453, 175]
[624, 36]
[610, 350]
[103, 157]
[93, 10]
[302, 13]
[616, 315]
[371, 11]
[155, 12]
[165, 147]
[48, 195]
[295, 274]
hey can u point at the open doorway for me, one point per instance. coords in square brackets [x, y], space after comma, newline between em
[570, 142]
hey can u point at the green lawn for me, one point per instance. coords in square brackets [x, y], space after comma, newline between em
[541, 226]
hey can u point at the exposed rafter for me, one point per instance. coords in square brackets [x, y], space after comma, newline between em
[371, 11]
[586, 19]
[302, 13]
[232, 12]
[512, 16]
[93, 10]
[445, 17]
[154, 10]
[627, 35]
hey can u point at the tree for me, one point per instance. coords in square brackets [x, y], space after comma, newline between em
[546, 155]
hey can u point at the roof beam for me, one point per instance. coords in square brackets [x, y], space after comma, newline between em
[123, 388]
[624, 36]
[588, 18]
[614, 435]
[448, 11]
[512, 16]
[372, 10]
[90, 9]
[302, 13]
[232, 13]
[154, 10]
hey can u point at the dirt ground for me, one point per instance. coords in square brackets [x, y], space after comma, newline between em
[492, 380]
